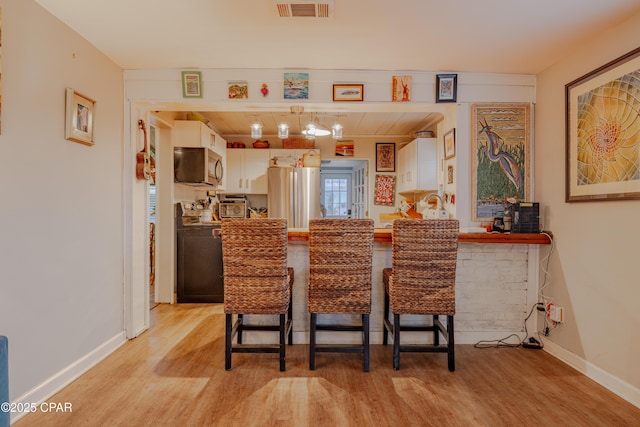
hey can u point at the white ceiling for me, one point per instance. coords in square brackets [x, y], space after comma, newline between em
[489, 36]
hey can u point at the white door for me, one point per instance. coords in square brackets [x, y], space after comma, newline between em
[335, 194]
[359, 196]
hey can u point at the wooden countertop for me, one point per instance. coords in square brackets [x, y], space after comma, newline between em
[384, 235]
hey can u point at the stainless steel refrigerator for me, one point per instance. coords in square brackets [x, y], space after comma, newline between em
[294, 194]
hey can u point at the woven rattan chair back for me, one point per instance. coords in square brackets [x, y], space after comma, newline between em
[256, 282]
[424, 266]
[340, 257]
[254, 253]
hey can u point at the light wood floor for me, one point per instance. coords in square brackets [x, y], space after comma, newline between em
[173, 375]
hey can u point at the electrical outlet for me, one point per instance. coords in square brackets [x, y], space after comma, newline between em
[555, 313]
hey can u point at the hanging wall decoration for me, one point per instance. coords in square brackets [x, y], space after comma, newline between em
[296, 85]
[344, 148]
[385, 190]
[602, 142]
[446, 87]
[385, 157]
[191, 84]
[238, 90]
[0, 69]
[499, 157]
[79, 120]
[401, 88]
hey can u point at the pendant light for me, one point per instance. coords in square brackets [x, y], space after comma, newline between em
[283, 130]
[336, 131]
[256, 130]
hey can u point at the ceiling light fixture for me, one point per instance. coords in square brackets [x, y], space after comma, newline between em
[283, 130]
[314, 129]
[336, 131]
[256, 130]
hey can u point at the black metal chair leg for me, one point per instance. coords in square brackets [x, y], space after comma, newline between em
[227, 341]
[450, 345]
[396, 341]
[240, 326]
[385, 334]
[312, 342]
[283, 333]
[290, 317]
[365, 329]
[436, 331]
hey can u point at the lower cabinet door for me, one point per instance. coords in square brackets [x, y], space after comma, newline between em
[199, 266]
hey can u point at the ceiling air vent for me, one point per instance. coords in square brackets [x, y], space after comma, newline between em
[305, 9]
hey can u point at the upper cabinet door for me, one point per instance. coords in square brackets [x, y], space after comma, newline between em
[247, 171]
[417, 166]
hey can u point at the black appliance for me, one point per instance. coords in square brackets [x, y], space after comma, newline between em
[526, 217]
[200, 165]
[199, 261]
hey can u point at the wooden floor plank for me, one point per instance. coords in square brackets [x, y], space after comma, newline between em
[173, 375]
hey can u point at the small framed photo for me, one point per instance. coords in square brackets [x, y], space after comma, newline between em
[296, 85]
[446, 87]
[348, 92]
[385, 157]
[79, 117]
[401, 88]
[238, 90]
[191, 84]
[450, 144]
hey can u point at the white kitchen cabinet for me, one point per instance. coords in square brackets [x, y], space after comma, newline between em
[246, 171]
[418, 166]
[193, 133]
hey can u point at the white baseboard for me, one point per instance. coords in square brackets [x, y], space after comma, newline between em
[63, 378]
[614, 384]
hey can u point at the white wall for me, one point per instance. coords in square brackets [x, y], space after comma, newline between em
[594, 272]
[61, 246]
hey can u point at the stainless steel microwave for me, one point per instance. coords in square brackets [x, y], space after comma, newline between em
[197, 165]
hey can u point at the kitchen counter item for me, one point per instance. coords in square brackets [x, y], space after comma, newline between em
[311, 160]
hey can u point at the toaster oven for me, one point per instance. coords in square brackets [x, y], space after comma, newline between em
[233, 208]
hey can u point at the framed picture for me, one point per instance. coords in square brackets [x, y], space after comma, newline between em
[450, 174]
[450, 144]
[446, 87]
[602, 127]
[401, 88]
[499, 157]
[79, 117]
[296, 85]
[385, 157]
[385, 190]
[347, 92]
[191, 84]
[238, 90]
[344, 148]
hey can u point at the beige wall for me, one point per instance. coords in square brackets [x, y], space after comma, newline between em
[61, 246]
[594, 268]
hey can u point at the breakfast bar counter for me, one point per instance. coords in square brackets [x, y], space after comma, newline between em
[496, 283]
[384, 235]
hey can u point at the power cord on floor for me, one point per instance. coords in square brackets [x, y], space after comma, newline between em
[531, 342]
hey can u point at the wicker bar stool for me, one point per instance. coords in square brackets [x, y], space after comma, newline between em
[340, 258]
[422, 281]
[256, 281]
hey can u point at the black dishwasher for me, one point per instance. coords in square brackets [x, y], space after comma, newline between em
[199, 262]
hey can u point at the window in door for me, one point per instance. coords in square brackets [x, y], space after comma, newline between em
[335, 189]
